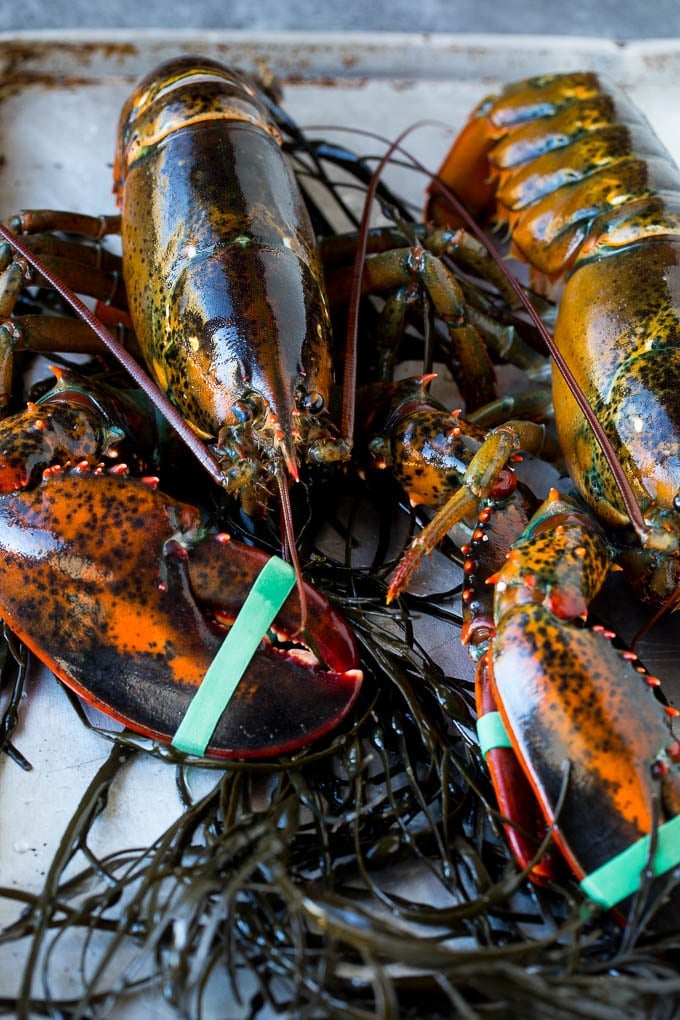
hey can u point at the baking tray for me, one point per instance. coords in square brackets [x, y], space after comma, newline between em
[60, 95]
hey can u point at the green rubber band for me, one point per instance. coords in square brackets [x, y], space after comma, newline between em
[492, 733]
[620, 877]
[270, 590]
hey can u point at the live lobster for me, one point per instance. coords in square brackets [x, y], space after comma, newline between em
[261, 429]
[589, 195]
[230, 313]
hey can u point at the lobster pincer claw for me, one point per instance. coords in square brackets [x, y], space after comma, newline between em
[118, 589]
[582, 717]
[601, 721]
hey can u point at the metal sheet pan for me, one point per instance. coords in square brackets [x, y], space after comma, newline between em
[59, 101]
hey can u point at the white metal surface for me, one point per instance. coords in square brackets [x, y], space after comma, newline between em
[59, 102]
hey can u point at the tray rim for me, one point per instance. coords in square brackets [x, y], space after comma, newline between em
[307, 55]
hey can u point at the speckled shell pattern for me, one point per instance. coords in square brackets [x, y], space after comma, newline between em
[567, 694]
[591, 739]
[425, 449]
[79, 421]
[118, 590]
[592, 197]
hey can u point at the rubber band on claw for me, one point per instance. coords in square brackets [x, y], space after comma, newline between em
[491, 732]
[620, 877]
[270, 590]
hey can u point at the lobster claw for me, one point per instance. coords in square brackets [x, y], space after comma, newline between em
[580, 717]
[601, 723]
[119, 591]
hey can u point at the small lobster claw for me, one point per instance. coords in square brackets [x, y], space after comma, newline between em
[118, 589]
[78, 421]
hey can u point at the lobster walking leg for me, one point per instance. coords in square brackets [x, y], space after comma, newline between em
[429, 270]
[80, 260]
[80, 267]
[393, 269]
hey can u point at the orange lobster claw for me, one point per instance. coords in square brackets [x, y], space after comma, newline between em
[119, 591]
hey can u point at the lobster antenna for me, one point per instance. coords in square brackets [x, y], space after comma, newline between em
[291, 548]
[668, 606]
[623, 485]
[350, 369]
[168, 410]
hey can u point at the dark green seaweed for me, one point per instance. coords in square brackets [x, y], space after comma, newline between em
[364, 877]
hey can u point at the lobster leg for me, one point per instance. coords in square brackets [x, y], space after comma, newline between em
[80, 260]
[40, 221]
[82, 268]
[392, 270]
[486, 477]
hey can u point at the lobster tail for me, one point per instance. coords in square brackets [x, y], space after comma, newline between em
[591, 195]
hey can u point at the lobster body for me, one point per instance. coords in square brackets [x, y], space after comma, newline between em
[590, 195]
[570, 725]
[127, 594]
[620, 331]
[224, 282]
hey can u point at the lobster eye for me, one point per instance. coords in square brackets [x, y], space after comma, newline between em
[243, 410]
[676, 501]
[313, 402]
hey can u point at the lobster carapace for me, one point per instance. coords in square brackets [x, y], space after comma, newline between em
[223, 275]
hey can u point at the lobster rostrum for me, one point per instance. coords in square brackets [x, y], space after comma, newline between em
[571, 726]
[228, 307]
